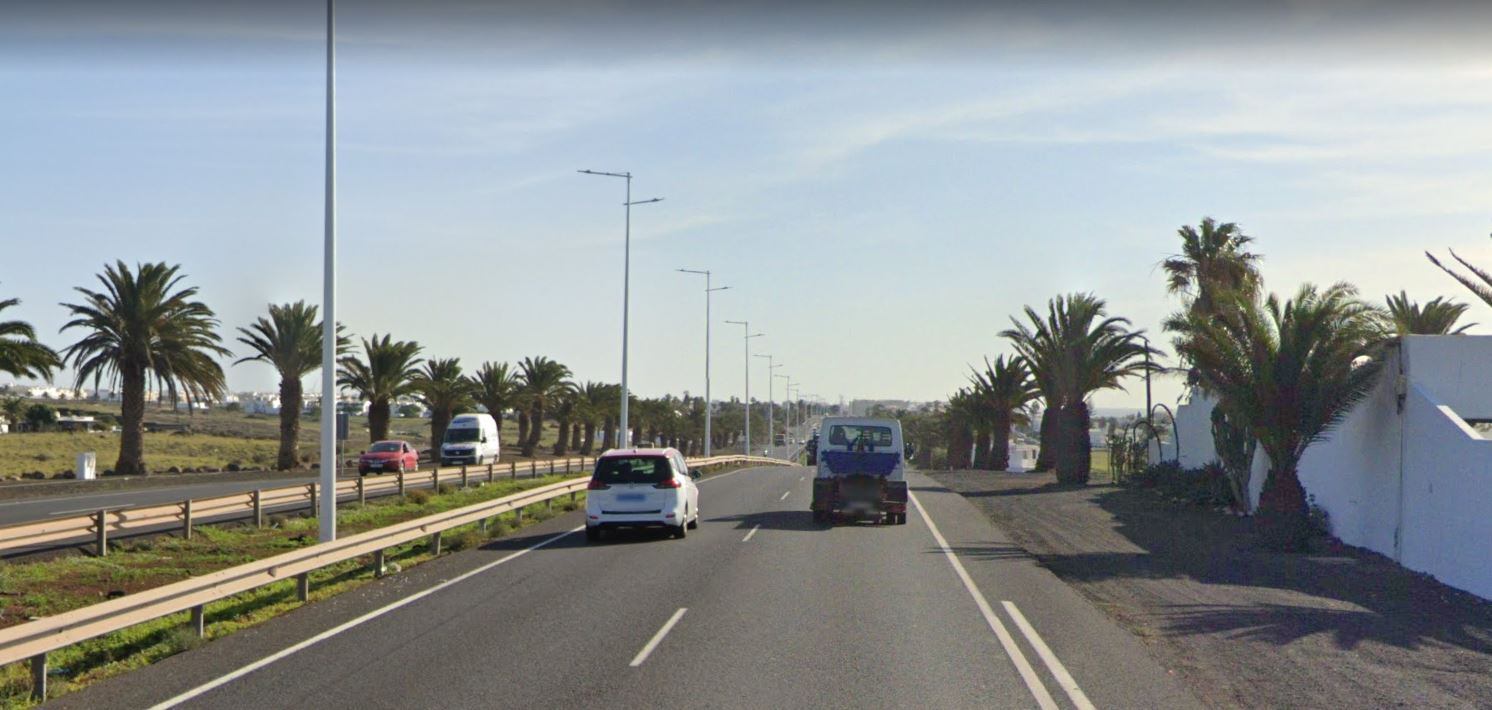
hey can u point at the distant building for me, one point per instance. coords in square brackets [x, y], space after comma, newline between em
[75, 423]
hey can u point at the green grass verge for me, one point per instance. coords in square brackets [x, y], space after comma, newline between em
[51, 586]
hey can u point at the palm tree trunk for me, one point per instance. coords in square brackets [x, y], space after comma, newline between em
[563, 440]
[608, 433]
[440, 420]
[588, 441]
[522, 428]
[289, 457]
[575, 436]
[378, 420]
[1046, 455]
[981, 449]
[1074, 451]
[999, 453]
[535, 430]
[1283, 515]
[132, 422]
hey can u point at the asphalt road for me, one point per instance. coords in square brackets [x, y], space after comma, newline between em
[760, 607]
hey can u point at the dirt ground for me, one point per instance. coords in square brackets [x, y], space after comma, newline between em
[1246, 628]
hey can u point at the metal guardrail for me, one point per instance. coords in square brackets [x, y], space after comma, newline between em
[33, 640]
[97, 527]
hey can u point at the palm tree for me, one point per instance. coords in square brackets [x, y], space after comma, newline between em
[445, 392]
[544, 381]
[144, 324]
[1213, 261]
[496, 387]
[387, 373]
[597, 400]
[1291, 372]
[20, 353]
[14, 411]
[290, 340]
[564, 407]
[1482, 286]
[1438, 317]
[1002, 392]
[961, 415]
[1077, 350]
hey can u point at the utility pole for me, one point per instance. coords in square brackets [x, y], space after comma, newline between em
[709, 403]
[328, 504]
[746, 328]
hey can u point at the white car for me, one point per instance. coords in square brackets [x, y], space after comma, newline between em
[641, 488]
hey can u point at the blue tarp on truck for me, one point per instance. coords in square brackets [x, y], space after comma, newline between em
[863, 463]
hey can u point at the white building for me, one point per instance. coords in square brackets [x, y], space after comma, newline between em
[1406, 474]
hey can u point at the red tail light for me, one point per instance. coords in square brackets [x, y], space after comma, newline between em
[671, 482]
[596, 485]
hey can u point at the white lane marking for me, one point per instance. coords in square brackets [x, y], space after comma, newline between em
[753, 532]
[784, 495]
[658, 638]
[256, 665]
[1017, 657]
[1059, 671]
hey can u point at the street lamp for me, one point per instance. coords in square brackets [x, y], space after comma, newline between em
[626, 280]
[328, 513]
[787, 402]
[709, 403]
[771, 430]
[746, 328]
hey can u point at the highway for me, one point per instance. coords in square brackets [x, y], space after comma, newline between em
[759, 607]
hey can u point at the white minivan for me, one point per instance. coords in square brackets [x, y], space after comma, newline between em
[470, 438]
[641, 488]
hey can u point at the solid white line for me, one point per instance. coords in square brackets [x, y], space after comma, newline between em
[256, 665]
[1017, 657]
[658, 637]
[1059, 671]
[753, 532]
[784, 495]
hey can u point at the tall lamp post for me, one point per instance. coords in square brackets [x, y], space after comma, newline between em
[787, 402]
[328, 513]
[709, 403]
[626, 281]
[746, 328]
[771, 430]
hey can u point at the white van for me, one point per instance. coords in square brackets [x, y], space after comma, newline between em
[471, 438]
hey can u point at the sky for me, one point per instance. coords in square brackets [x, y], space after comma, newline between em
[880, 186]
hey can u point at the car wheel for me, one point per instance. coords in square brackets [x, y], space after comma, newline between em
[694, 524]
[681, 531]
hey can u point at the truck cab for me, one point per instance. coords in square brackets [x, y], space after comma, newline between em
[861, 471]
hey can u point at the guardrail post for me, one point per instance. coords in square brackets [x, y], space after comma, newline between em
[258, 508]
[513, 470]
[489, 472]
[186, 519]
[533, 469]
[551, 467]
[378, 564]
[401, 484]
[303, 586]
[463, 475]
[199, 620]
[518, 516]
[101, 522]
[572, 498]
[39, 677]
[311, 490]
[362, 495]
[435, 480]
[435, 543]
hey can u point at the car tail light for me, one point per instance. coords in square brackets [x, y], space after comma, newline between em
[596, 485]
[671, 482]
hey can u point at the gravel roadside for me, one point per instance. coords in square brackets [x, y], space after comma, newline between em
[1243, 627]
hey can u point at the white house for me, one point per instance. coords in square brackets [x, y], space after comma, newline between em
[260, 403]
[1405, 474]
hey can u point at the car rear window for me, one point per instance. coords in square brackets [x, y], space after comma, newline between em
[860, 437]
[385, 446]
[633, 469]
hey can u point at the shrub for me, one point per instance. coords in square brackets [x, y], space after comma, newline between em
[445, 488]
[465, 540]
[1207, 485]
[418, 496]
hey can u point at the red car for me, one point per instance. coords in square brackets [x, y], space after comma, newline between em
[384, 456]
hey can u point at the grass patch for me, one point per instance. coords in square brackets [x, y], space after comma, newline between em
[52, 586]
[52, 452]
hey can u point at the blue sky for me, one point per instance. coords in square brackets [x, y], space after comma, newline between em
[937, 167]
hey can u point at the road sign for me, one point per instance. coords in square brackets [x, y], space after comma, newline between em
[344, 421]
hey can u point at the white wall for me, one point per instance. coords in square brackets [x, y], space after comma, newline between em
[1413, 482]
